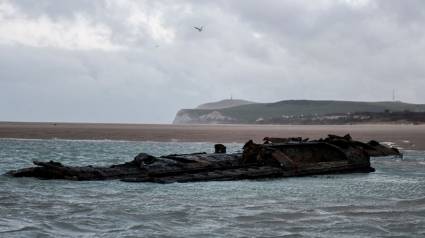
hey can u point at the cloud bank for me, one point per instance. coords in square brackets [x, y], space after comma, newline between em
[141, 61]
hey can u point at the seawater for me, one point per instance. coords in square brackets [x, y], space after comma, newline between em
[387, 203]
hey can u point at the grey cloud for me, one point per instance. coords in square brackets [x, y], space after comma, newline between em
[56, 9]
[256, 50]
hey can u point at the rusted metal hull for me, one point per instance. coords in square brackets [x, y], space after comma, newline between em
[258, 161]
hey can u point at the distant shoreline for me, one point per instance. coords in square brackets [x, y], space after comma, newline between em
[406, 136]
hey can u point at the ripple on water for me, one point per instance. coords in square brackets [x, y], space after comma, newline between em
[389, 202]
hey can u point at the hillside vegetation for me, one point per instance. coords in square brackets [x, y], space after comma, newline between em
[226, 103]
[260, 112]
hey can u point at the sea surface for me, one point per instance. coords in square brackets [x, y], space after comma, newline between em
[387, 203]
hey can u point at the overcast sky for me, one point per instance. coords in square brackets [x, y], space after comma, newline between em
[141, 61]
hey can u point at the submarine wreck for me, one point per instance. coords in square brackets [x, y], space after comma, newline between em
[275, 158]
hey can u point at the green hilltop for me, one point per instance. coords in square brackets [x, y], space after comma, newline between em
[250, 112]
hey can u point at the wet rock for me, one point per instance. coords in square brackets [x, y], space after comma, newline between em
[219, 149]
[143, 159]
[270, 140]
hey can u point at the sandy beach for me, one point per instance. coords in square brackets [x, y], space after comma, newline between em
[405, 136]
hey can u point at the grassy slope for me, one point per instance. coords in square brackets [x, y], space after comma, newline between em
[251, 112]
[223, 104]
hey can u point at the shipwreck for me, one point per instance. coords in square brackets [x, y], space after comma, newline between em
[276, 157]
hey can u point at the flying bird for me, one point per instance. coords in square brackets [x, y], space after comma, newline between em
[199, 28]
